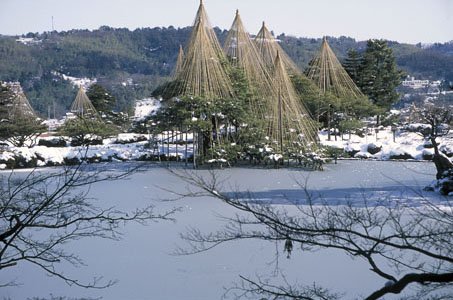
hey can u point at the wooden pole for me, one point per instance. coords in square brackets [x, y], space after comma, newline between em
[194, 151]
[280, 120]
[185, 155]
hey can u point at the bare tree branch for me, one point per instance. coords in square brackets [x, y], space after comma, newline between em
[392, 237]
[42, 211]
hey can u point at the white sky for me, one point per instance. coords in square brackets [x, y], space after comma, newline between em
[409, 21]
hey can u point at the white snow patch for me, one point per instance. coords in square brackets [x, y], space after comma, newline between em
[75, 81]
[146, 107]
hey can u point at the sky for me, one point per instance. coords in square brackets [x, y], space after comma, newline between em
[409, 21]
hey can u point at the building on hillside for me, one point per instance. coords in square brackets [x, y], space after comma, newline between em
[413, 83]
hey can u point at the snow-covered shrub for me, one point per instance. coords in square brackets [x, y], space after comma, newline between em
[417, 127]
[351, 149]
[447, 150]
[92, 140]
[427, 154]
[443, 185]
[446, 183]
[129, 138]
[333, 152]
[374, 148]
[52, 142]
[399, 153]
[363, 155]
[226, 154]
[428, 144]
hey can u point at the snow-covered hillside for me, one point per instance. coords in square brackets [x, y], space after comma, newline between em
[145, 107]
[76, 81]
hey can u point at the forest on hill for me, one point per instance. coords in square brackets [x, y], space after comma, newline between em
[131, 64]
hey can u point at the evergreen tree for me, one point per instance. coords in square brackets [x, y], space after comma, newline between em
[86, 131]
[352, 64]
[323, 107]
[310, 95]
[21, 131]
[105, 104]
[379, 76]
[101, 98]
[18, 123]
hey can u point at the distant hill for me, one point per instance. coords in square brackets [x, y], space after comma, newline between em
[132, 63]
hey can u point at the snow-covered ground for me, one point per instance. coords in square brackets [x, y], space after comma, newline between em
[381, 145]
[145, 107]
[143, 261]
[113, 149]
[407, 145]
[405, 142]
[77, 81]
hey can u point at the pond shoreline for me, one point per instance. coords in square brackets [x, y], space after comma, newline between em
[20, 163]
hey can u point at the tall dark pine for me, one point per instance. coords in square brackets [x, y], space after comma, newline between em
[101, 98]
[352, 65]
[379, 76]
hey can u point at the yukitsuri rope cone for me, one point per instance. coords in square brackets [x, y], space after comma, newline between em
[290, 125]
[179, 61]
[21, 106]
[82, 105]
[330, 76]
[242, 53]
[13, 102]
[202, 72]
[268, 47]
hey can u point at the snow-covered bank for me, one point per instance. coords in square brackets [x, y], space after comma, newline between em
[128, 146]
[380, 144]
[125, 147]
[385, 145]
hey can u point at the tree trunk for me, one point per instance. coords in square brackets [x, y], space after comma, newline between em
[441, 161]
[328, 124]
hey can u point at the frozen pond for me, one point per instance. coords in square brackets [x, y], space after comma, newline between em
[143, 263]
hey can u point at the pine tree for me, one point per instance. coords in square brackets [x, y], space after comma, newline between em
[352, 64]
[102, 100]
[19, 124]
[379, 76]
[87, 131]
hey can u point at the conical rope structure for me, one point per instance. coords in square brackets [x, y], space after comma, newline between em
[290, 124]
[268, 47]
[14, 103]
[202, 15]
[82, 105]
[202, 73]
[242, 53]
[179, 62]
[21, 107]
[330, 76]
